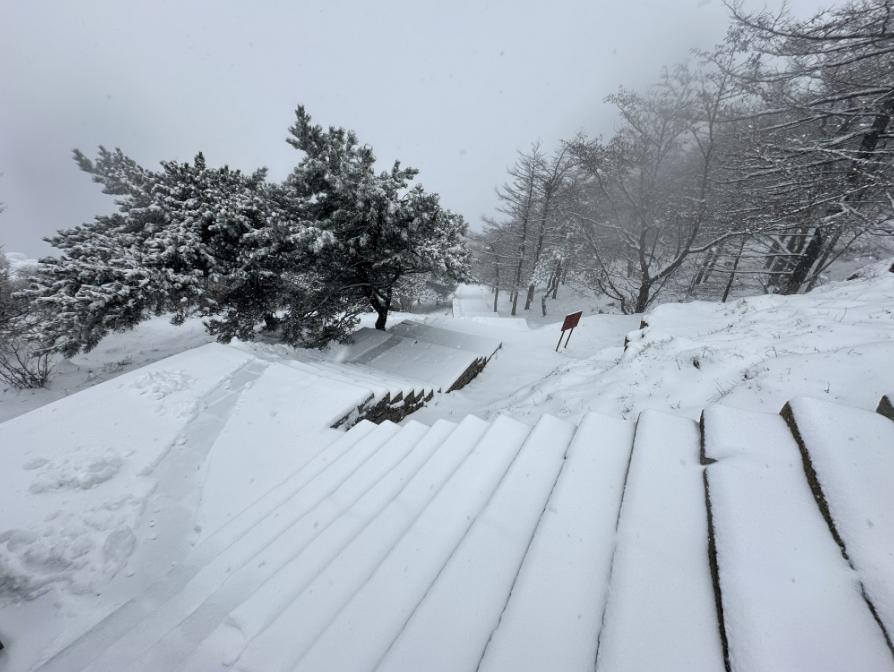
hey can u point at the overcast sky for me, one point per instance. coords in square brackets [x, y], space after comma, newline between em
[452, 88]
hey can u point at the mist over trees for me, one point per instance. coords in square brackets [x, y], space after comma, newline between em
[754, 167]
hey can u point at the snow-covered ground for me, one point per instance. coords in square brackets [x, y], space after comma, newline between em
[139, 496]
[151, 341]
[836, 342]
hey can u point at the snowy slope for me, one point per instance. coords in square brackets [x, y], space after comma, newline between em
[200, 514]
[836, 342]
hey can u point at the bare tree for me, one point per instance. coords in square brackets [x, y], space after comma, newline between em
[551, 179]
[827, 91]
[651, 191]
[518, 202]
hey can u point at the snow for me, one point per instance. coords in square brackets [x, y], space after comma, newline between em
[285, 410]
[151, 341]
[476, 302]
[852, 452]
[198, 512]
[416, 559]
[20, 265]
[790, 600]
[378, 462]
[296, 627]
[253, 615]
[412, 358]
[66, 520]
[565, 572]
[449, 338]
[243, 531]
[120, 481]
[755, 353]
[660, 613]
[446, 633]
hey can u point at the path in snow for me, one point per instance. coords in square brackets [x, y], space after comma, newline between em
[526, 360]
[472, 301]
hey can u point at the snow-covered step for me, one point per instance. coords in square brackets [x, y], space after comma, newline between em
[849, 454]
[212, 575]
[481, 346]
[790, 601]
[553, 616]
[366, 387]
[78, 652]
[362, 342]
[441, 366]
[397, 384]
[450, 627]
[360, 496]
[377, 381]
[261, 607]
[288, 413]
[378, 387]
[381, 606]
[660, 613]
[294, 628]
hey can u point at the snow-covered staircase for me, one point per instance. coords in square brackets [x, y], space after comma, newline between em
[748, 541]
[444, 359]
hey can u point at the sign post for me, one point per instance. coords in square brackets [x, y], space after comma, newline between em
[569, 323]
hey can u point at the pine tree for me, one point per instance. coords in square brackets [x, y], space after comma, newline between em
[304, 258]
[376, 228]
[186, 240]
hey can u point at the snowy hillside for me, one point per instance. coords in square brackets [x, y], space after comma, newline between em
[200, 511]
[755, 353]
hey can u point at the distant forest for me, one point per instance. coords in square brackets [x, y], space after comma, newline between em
[756, 166]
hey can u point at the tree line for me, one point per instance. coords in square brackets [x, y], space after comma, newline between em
[300, 260]
[754, 167]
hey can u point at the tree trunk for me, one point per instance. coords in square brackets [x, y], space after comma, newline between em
[642, 298]
[829, 248]
[732, 275]
[271, 322]
[558, 275]
[496, 283]
[380, 304]
[805, 263]
[530, 297]
[703, 271]
[867, 147]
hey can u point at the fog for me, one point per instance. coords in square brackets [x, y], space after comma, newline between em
[450, 88]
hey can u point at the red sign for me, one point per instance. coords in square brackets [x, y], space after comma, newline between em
[569, 323]
[571, 320]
